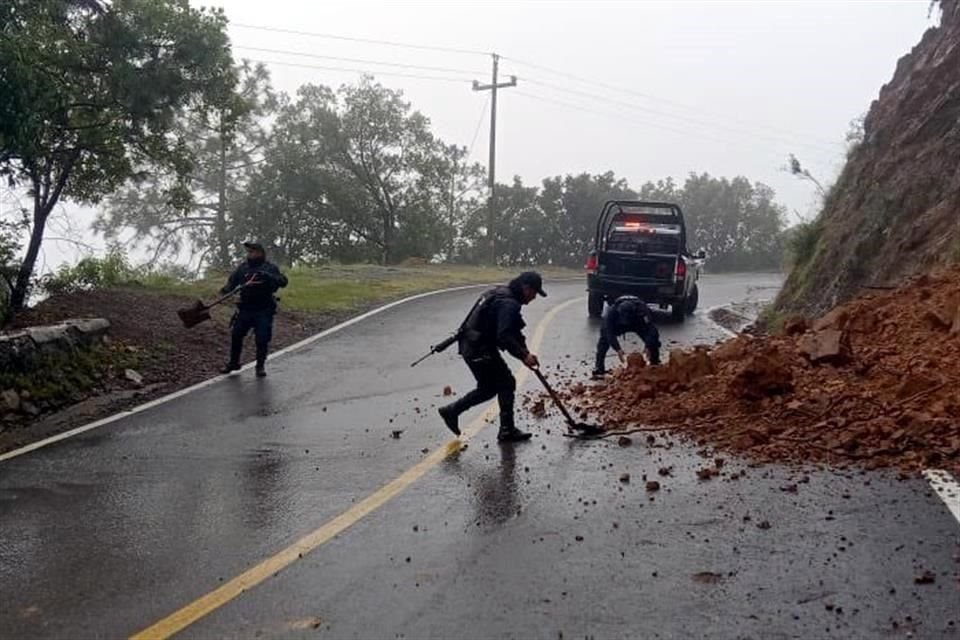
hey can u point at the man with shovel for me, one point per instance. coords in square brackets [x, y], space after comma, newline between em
[259, 280]
[493, 325]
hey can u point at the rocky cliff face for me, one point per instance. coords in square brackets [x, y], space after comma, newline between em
[895, 210]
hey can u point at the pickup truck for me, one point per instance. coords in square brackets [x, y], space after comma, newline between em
[640, 249]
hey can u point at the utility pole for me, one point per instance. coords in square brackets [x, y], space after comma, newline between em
[492, 169]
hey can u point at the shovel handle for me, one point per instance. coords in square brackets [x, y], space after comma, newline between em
[554, 396]
[225, 297]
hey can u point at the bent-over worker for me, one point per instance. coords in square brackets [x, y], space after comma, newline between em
[626, 314]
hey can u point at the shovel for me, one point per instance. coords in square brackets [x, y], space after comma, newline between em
[193, 315]
[582, 427]
[198, 312]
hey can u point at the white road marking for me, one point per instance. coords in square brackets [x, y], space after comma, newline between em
[947, 487]
[727, 332]
[206, 383]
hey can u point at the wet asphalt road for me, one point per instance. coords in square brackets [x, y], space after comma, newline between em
[108, 532]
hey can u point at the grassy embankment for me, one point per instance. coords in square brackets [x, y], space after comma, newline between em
[342, 288]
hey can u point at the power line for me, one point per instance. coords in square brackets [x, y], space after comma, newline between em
[647, 96]
[374, 72]
[644, 123]
[388, 43]
[358, 60]
[476, 132]
[667, 114]
[751, 128]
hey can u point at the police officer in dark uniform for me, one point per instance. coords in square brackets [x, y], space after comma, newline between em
[626, 314]
[257, 305]
[494, 324]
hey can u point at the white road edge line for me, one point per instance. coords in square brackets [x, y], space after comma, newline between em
[727, 332]
[947, 488]
[206, 383]
[943, 484]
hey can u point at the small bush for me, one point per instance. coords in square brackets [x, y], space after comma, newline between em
[91, 273]
[802, 243]
[112, 270]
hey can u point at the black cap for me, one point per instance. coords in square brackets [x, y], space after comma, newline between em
[256, 246]
[533, 280]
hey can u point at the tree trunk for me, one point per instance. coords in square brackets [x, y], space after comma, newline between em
[387, 238]
[223, 244]
[21, 288]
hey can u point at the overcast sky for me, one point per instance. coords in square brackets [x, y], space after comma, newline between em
[729, 88]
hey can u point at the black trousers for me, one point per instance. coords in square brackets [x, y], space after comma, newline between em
[260, 321]
[494, 378]
[651, 339]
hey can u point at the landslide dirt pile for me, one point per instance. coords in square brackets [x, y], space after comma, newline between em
[893, 211]
[874, 382]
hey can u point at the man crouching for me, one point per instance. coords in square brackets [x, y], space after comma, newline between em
[626, 314]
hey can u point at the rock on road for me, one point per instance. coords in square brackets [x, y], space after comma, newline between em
[107, 533]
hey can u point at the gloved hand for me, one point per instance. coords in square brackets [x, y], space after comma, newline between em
[531, 361]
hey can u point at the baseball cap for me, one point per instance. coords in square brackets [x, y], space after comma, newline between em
[255, 246]
[533, 280]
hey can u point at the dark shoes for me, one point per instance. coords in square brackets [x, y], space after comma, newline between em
[507, 434]
[598, 374]
[450, 419]
[512, 434]
[230, 367]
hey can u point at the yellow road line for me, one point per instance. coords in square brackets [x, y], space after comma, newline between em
[182, 618]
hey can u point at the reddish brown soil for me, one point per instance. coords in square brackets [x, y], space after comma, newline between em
[875, 382]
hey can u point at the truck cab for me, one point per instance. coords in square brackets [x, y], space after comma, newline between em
[640, 249]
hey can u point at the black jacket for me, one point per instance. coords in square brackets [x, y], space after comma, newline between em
[260, 295]
[494, 324]
[627, 313]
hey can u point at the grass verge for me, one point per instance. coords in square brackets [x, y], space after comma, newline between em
[342, 288]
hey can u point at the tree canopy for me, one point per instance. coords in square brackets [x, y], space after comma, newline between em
[91, 91]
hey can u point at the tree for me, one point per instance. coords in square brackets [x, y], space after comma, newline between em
[287, 200]
[582, 199]
[795, 168]
[384, 154]
[738, 223]
[226, 143]
[91, 93]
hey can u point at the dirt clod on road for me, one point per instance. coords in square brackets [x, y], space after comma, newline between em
[872, 383]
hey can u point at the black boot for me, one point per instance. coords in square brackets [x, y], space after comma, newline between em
[512, 434]
[261, 361]
[236, 348]
[451, 418]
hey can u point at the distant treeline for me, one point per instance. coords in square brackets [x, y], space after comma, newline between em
[357, 175]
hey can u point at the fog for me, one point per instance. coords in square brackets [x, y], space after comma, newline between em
[662, 88]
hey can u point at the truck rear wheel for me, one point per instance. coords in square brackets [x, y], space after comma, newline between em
[678, 311]
[595, 305]
[693, 300]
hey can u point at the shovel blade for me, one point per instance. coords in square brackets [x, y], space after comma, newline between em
[587, 429]
[194, 315]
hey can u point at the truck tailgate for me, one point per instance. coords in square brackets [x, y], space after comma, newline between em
[647, 267]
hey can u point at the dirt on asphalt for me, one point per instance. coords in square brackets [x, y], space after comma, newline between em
[872, 383]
